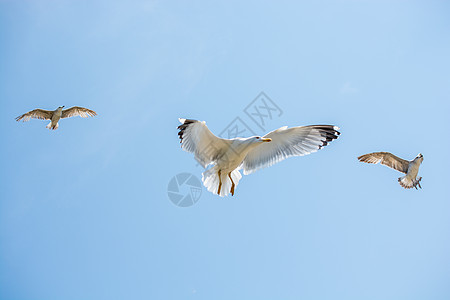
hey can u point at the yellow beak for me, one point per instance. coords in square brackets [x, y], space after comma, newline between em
[266, 140]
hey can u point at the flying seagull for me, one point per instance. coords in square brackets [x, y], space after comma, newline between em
[410, 168]
[228, 156]
[57, 114]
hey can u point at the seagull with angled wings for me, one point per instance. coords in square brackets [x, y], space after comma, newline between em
[410, 168]
[56, 115]
[228, 156]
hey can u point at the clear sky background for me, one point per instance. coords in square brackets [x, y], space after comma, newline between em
[84, 210]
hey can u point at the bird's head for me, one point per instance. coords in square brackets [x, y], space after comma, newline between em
[419, 157]
[261, 139]
[61, 107]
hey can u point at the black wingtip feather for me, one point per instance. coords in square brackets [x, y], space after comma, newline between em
[328, 132]
[183, 127]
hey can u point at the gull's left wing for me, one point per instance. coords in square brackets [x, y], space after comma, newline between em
[77, 111]
[387, 159]
[287, 142]
[195, 137]
[41, 114]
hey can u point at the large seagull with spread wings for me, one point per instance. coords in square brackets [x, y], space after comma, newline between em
[410, 168]
[228, 156]
[56, 115]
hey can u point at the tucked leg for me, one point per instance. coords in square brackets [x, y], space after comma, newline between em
[232, 184]
[220, 183]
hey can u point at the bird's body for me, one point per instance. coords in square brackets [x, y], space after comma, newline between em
[410, 168]
[56, 115]
[228, 156]
[410, 179]
[227, 166]
[53, 125]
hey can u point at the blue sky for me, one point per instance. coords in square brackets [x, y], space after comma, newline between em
[84, 210]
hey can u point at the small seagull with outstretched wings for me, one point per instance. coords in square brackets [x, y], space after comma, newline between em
[410, 168]
[56, 115]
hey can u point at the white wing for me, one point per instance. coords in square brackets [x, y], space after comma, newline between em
[41, 114]
[387, 159]
[77, 111]
[287, 142]
[195, 137]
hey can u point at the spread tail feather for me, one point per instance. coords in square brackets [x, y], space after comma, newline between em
[409, 183]
[211, 181]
